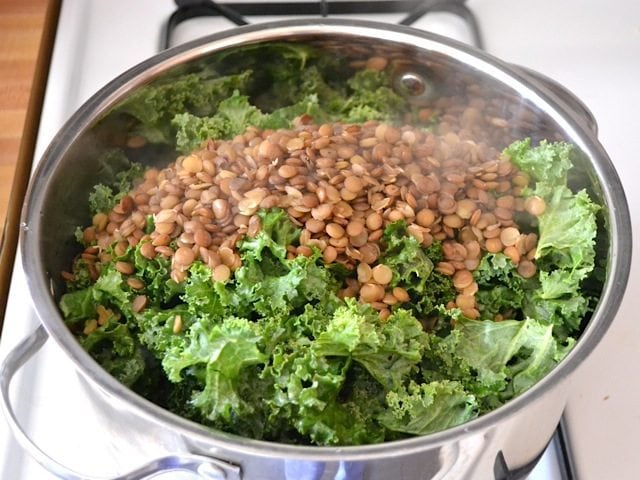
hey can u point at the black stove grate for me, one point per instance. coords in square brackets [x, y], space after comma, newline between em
[236, 13]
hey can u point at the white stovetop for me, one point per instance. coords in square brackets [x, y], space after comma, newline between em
[591, 46]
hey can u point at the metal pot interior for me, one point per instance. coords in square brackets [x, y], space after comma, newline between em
[428, 68]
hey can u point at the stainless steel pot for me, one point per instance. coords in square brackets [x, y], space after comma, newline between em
[511, 437]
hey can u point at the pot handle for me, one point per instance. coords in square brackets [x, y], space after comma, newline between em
[202, 468]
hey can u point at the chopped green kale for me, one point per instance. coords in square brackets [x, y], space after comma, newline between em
[567, 229]
[120, 176]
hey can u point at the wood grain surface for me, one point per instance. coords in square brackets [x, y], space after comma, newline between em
[21, 26]
[27, 31]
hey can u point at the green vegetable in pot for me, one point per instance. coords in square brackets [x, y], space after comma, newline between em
[312, 271]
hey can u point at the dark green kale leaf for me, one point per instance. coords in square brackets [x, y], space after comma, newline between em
[390, 351]
[217, 354]
[547, 163]
[315, 395]
[287, 81]
[424, 408]
[78, 305]
[270, 283]
[567, 229]
[101, 199]
[494, 361]
[116, 350]
[501, 290]
[294, 87]
[155, 105]
[371, 97]
[305, 387]
[413, 269]
[155, 273]
[283, 117]
[155, 328]
[111, 289]
[232, 117]
[406, 258]
[120, 176]
[203, 296]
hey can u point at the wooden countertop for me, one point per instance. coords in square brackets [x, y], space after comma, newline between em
[21, 25]
[27, 28]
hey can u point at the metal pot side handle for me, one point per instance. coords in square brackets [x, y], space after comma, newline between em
[201, 467]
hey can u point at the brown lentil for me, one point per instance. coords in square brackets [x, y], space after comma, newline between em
[374, 221]
[90, 326]
[147, 250]
[401, 294]
[335, 230]
[341, 184]
[330, 254]
[371, 292]
[462, 279]
[382, 274]
[177, 324]
[513, 253]
[465, 301]
[376, 63]
[100, 221]
[125, 268]
[139, 303]
[493, 245]
[184, 257]
[221, 273]
[135, 283]
[192, 164]
[445, 268]
[425, 217]
[535, 205]
[389, 299]
[509, 236]
[526, 268]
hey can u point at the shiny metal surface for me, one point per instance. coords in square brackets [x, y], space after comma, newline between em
[199, 466]
[572, 103]
[467, 451]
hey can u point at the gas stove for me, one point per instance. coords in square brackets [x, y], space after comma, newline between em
[574, 42]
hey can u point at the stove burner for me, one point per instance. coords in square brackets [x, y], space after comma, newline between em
[236, 12]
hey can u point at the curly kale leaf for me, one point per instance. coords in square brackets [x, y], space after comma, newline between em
[272, 284]
[413, 269]
[420, 409]
[371, 97]
[219, 356]
[234, 115]
[115, 348]
[120, 176]
[155, 105]
[78, 305]
[326, 398]
[501, 290]
[548, 163]
[495, 361]
[567, 229]
[389, 351]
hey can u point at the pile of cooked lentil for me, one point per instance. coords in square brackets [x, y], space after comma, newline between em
[342, 184]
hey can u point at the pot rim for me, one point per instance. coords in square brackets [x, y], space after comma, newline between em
[613, 195]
